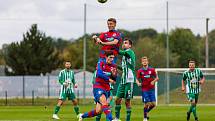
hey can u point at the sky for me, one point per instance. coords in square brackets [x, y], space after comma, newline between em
[65, 18]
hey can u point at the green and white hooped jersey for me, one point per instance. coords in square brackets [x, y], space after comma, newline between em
[66, 76]
[128, 66]
[192, 79]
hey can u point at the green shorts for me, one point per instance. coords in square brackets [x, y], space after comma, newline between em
[125, 91]
[191, 97]
[66, 93]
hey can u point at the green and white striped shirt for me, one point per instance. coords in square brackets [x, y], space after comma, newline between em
[128, 66]
[192, 78]
[66, 75]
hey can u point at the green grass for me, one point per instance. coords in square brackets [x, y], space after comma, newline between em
[160, 113]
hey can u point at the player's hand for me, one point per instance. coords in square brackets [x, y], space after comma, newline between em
[201, 81]
[152, 82]
[94, 37]
[139, 84]
[76, 86]
[183, 89]
[65, 84]
[112, 81]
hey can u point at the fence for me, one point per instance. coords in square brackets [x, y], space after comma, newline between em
[169, 87]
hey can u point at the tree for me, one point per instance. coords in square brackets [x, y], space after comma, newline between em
[155, 52]
[183, 44]
[34, 55]
[211, 41]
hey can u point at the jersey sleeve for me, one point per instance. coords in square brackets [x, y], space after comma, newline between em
[102, 36]
[184, 76]
[100, 72]
[73, 78]
[201, 74]
[60, 78]
[93, 79]
[139, 75]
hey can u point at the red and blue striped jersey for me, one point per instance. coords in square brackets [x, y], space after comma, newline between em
[108, 37]
[103, 74]
[146, 75]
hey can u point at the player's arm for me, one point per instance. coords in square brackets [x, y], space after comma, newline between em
[60, 78]
[138, 78]
[73, 80]
[100, 72]
[114, 42]
[183, 82]
[156, 77]
[202, 78]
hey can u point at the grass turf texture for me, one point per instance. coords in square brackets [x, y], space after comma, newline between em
[161, 113]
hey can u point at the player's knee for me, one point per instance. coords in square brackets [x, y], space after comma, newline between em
[118, 101]
[128, 103]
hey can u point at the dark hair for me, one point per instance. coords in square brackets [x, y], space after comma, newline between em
[129, 40]
[192, 61]
[108, 53]
[112, 19]
[67, 61]
[145, 57]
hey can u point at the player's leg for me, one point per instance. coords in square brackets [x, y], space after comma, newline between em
[146, 100]
[105, 107]
[128, 96]
[97, 94]
[191, 98]
[119, 95]
[128, 109]
[152, 100]
[194, 109]
[72, 97]
[61, 99]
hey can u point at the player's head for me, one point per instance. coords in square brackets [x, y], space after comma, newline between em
[192, 64]
[127, 43]
[145, 61]
[67, 64]
[109, 56]
[111, 23]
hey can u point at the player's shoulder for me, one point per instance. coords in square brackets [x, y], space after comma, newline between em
[140, 69]
[63, 70]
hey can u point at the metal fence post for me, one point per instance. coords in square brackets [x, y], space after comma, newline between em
[5, 97]
[32, 97]
[48, 85]
[23, 86]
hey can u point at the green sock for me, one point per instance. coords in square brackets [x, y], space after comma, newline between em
[76, 108]
[112, 104]
[194, 112]
[56, 110]
[128, 111]
[98, 117]
[117, 111]
[191, 109]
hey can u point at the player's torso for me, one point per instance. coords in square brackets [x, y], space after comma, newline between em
[67, 75]
[128, 67]
[147, 76]
[192, 82]
[108, 37]
[101, 83]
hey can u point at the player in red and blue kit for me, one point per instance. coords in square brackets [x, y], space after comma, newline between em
[106, 71]
[148, 76]
[109, 40]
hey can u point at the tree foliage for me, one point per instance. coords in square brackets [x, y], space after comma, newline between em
[34, 55]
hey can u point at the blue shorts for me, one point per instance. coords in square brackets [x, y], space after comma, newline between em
[148, 96]
[97, 92]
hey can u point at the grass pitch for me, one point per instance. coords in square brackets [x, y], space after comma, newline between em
[160, 113]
